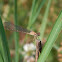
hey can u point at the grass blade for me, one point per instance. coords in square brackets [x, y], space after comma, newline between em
[1, 57]
[51, 39]
[15, 33]
[4, 43]
[44, 21]
[1, 50]
[35, 11]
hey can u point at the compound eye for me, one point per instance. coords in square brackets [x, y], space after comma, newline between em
[38, 34]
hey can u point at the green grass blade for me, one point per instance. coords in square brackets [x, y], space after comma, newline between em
[1, 51]
[1, 57]
[38, 10]
[35, 11]
[51, 39]
[4, 43]
[44, 21]
[33, 5]
[15, 33]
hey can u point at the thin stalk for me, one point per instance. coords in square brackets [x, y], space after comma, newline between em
[51, 39]
[15, 33]
[44, 21]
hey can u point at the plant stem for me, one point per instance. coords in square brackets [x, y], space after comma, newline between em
[15, 33]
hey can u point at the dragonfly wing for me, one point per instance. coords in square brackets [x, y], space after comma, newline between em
[12, 27]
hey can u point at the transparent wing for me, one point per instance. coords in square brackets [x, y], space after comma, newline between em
[12, 27]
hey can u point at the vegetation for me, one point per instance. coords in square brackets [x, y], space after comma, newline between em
[44, 16]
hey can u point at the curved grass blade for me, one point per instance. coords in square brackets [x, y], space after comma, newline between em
[51, 39]
[4, 43]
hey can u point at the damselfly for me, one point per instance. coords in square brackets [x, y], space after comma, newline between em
[12, 27]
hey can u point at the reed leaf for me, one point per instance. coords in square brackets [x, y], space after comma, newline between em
[4, 43]
[1, 51]
[44, 21]
[36, 7]
[51, 39]
[1, 57]
[15, 33]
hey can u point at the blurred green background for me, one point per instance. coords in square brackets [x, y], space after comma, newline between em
[24, 41]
